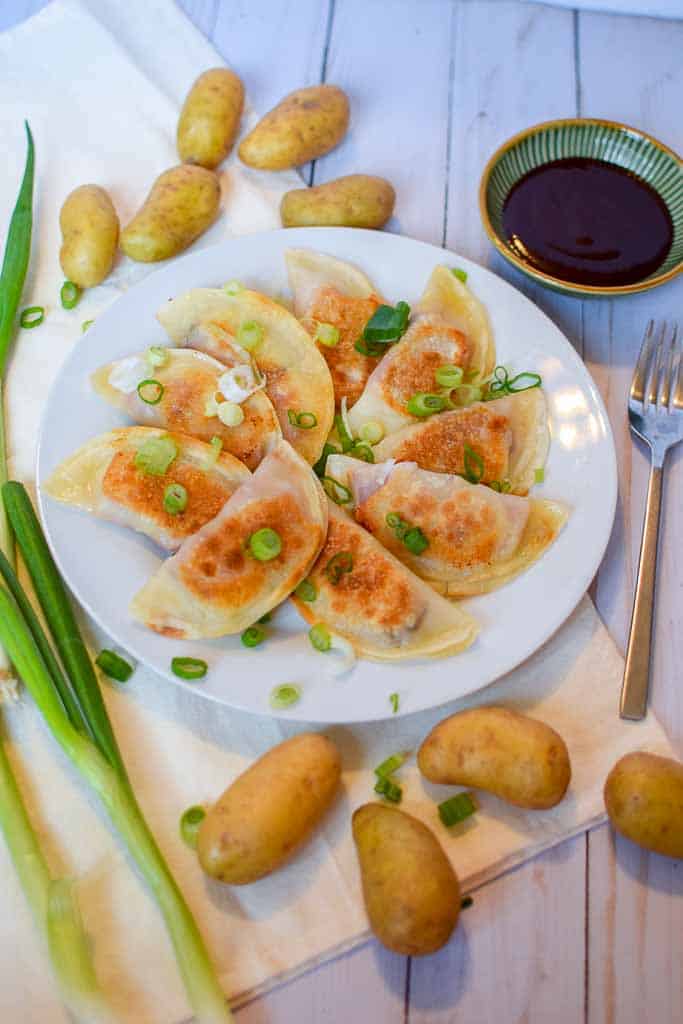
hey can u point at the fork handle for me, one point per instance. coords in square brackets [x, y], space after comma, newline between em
[637, 671]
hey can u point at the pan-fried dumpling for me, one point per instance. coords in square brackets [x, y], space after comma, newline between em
[462, 538]
[329, 291]
[216, 583]
[510, 435]
[450, 328]
[193, 387]
[296, 377]
[367, 596]
[123, 476]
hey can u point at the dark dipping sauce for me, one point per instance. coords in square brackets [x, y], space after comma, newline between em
[588, 221]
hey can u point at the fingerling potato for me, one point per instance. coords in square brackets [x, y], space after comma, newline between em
[90, 233]
[411, 892]
[183, 202]
[303, 126]
[210, 118]
[644, 801]
[517, 758]
[356, 201]
[270, 810]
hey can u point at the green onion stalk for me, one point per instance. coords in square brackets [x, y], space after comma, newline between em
[90, 742]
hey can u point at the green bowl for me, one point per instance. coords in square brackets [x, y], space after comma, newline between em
[615, 143]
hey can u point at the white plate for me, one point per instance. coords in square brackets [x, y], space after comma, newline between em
[105, 565]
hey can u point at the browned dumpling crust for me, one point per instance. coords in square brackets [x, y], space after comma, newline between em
[349, 368]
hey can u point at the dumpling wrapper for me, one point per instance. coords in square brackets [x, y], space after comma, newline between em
[213, 585]
[190, 379]
[509, 434]
[329, 291]
[380, 607]
[297, 378]
[478, 538]
[450, 327]
[102, 478]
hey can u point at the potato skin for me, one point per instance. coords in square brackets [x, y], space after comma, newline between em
[90, 233]
[356, 201]
[269, 810]
[411, 892]
[644, 800]
[183, 202]
[210, 118]
[518, 758]
[303, 126]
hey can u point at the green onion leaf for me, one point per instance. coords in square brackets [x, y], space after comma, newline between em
[284, 695]
[319, 467]
[85, 325]
[524, 382]
[189, 825]
[303, 420]
[70, 293]
[339, 565]
[362, 450]
[320, 638]
[150, 391]
[249, 335]
[389, 790]
[474, 465]
[539, 475]
[422, 404]
[327, 334]
[265, 544]
[306, 591]
[387, 324]
[17, 252]
[157, 355]
[189, 668]
[372, 432]
[415, 540]
[265, 618]
[156, 455]
[114, 666]
[338, 492]
[175, 499]
[448, 376]
[32, 316]
[456, 809]
[343, 433]
[459, 273]
[253, 636]
[391, 765]
[394, 700]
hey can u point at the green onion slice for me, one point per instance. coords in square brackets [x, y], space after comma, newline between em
[502, 486]
[319, 467]
[189, 825]
[338, 492]
[175, 499]
[362, 450]
[474, 465]
[157, 355]
[459, 273]
[306, 591]
[230, 413]
[249, 334]
[253, 636]
[449, 376]
[212, 457]
[284, 695]
[387, 323]
[150, 391]
[85, 325]
[372, 432]
[524, 382]
[265, 618]
[320, 638]
[389, 790]
[32, 316]
[394, 701]
[156, 455]
[70, 293]
[339, 565]
[456, 809]
[391, 765]
[343, 434]
[415, 540]
[114, 666]
[189, 668]
[303, 420]
[327, 334]
[539, 475]
[422, 404]
[265, 544]
[501, 383]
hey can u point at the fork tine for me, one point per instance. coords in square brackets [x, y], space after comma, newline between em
[640, 374]
[666, 378]
[656, 366]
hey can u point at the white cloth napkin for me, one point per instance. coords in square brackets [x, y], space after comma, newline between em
[646, 8]
[101, 83]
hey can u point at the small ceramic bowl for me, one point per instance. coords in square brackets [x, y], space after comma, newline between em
[615, 143]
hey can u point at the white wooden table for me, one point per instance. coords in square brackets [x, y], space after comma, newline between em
[592, 931]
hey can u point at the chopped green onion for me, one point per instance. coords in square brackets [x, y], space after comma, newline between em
[232, 287]
[212, 457]
[253, 636]
[530, 380]
[393, 700]
[467, 901]
[16, 256]
[265, 544]
[157, 355]
[343, 433]
[284, 695]
[474, 465]
[320, 638]
[32, 316]
[415, 540]
[304, 420]
[319, 467]
[175, 499]
[230, 413]
[501, 486]
[306, 591]
[501, 383]
[189, 825]
[372, 432]
[339, 565]
[362, 450]
[387, 323]
[466, 394]
[391, 765]
[265, 618]
[150, 391]
[249, 335]
[114, 666]
[327, 334]
[448, 376]
[70, 293]
[459, 273]
[156, 455]
[539, 475]
[393, 520]
[85, 325]
[389, 790]
[456, 809]
[189, 668]
[423, 404]
[338, 492]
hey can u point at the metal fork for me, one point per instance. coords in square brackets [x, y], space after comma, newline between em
[655, 412]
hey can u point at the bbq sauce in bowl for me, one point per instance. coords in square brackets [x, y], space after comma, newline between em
[588, 221]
